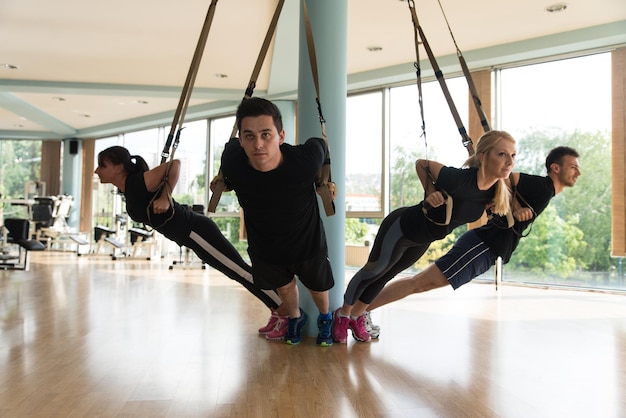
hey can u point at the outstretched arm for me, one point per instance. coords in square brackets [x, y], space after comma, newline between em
[155, 177]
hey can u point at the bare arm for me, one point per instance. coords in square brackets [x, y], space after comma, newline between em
[433, 197]
[154, 178]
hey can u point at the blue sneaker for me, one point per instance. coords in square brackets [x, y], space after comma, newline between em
[294, 329]
[324, 324]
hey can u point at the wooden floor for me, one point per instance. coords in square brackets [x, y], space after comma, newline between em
[91, 337]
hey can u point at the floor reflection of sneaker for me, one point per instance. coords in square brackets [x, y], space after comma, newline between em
[358, 329]
[280, 329]
[294, 329]
[270, 324]
[372, 330]
[324, 324]
[340, 327]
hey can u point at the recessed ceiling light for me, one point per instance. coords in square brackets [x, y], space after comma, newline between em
[9, 66]
[17, 125]
[84, 115]
[141, 101]
[557, 7]
[220, 75]
[58, 99]
[374, 48]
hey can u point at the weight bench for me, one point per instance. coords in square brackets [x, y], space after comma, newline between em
[103, 236]
[139, 240]
[17, 233]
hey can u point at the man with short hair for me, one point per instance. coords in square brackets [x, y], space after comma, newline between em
[275, 185]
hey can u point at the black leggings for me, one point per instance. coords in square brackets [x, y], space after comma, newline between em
[207, 241]
[391, 254]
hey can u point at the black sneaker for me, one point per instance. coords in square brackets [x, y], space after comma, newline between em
[324, 324]
[294, 329]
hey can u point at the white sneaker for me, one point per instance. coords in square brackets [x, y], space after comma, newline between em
[372, 330]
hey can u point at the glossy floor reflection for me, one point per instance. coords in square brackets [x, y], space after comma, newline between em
[89, 337]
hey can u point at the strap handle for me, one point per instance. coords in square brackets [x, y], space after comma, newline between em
[220, 185]
[323, 178]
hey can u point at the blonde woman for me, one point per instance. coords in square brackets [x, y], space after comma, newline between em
[406, 233]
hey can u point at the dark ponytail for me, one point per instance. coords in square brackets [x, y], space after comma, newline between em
[120, 155]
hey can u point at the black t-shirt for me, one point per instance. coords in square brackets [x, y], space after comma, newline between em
[468, 204]
[280, 206]
[536, 192]
[137, 200]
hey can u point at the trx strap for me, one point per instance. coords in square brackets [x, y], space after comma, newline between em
[467, 142]
[474, 93]
[323, 179]
[183, 103]
[181, 110]
[220, 186]
[425, 206]
[515, 195]
[468, 77]
[448, 202]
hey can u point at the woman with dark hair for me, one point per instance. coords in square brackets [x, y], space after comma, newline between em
[148, 201]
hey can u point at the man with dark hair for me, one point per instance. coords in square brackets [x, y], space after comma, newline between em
[477, 250]
[274, 183]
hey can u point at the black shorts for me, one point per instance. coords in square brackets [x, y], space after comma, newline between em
[315, 273]
[470, 257]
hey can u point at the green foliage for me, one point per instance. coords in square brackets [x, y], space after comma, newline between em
[439, 248]
[406, 189]
[356, 231]
[553, 247]
[184, 199]
[230, 229]
[20, 162]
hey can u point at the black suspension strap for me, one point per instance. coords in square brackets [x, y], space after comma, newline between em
[179, 114]
[219, 186]
[323, 180]
[425, 206]
[497, 220]
[183, 103]
[467, 142]
[418, 74]
[484, 121]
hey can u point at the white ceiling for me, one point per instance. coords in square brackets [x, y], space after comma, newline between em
[104, 59]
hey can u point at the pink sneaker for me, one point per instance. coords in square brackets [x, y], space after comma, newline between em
[340, 328]
[280, 329]
[270, 324]
[359, 332]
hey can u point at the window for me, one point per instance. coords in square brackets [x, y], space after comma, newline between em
[543, 106]
[106, 202]
[20, 162]
[221, 130]
[407, 144]
[191, 151]
[364, 154]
